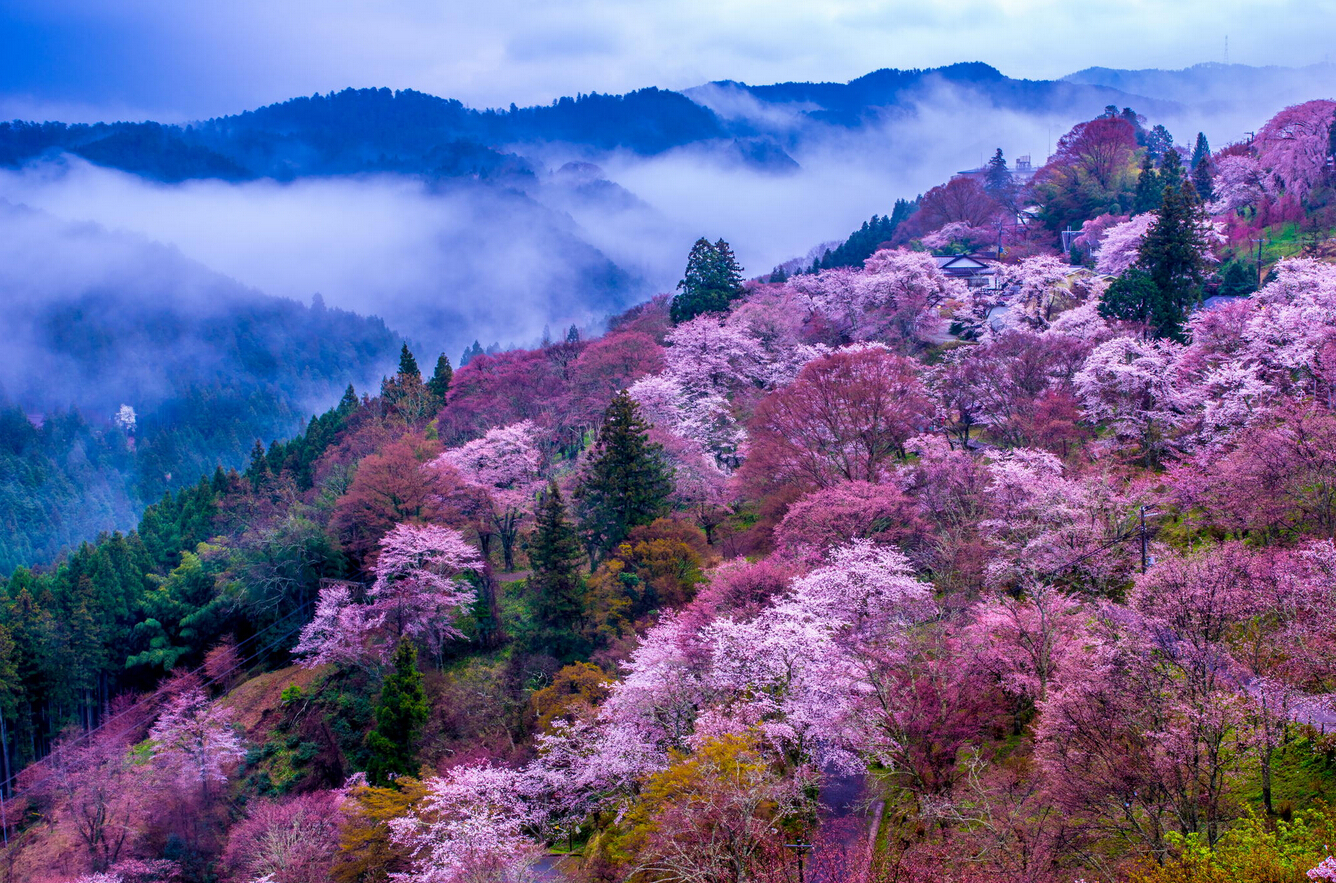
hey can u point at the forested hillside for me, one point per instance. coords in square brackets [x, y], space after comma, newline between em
[129, 371]
[1042, 568]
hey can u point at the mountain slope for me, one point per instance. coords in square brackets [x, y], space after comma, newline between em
[97, 320]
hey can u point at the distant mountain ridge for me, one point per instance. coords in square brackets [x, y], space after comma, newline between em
[1211, 86]
[409, 132]
[369, 130]
[848, 104]
[379, 130]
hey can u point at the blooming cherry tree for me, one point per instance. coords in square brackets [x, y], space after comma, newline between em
[1131, 385]
[1239, 182]
[417, 593]
[472, 827]
[506, 463]
[193, 740]
[1120, 245]
[1295, 145]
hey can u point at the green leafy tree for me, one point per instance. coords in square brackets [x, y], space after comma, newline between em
[556, 585]
[1131, 297]
[441, 377]
[627, 483]
[1237, 278]
[712, 281]
[400, 714]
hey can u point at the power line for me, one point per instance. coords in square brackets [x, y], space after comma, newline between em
[152, 697]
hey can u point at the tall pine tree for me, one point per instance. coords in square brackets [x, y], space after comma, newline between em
[1170, 267]
[1203, 178]
[997, 179]
[1201, 150]
[627, 483]
[408, 366]
[555, 584]
[712, 281]
[441, 377]
[400, 714]
[1149, 190]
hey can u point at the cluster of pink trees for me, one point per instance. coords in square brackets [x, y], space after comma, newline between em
[418, 593]
[1295, 145]
[506, 464]
[896, 297]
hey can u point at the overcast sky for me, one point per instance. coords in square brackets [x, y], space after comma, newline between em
[184, 59]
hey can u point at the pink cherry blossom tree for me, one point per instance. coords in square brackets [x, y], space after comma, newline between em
[1119, 248]
[472, 827]
[1240, 182]
[507, 464]
[337, 633]
[417, 593]
[1131, 385]
[1295, 145]
[909, 289]
[837, 515]
[194, 742]
[1037, 287]
[1027, 641]
[845, 418]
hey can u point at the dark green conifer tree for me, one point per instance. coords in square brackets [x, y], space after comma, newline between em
[441, 377]
[258, 470]
[627, 483]
[997, 178]
[469, 353]
[1159, 142]
[400, 714]
[1201, 150]
[348, 403]
[1203, 178]
[556, 586]
[712, 281]
[408, 366]
[1149, 190]
[1171, 262]
[1171, 170]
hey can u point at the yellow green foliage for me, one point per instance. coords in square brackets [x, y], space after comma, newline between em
[1255, 850]
[720, 813]
[366, 852]
[574, 694]
[659, 567]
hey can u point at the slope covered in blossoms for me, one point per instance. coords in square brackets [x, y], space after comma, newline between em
[1044, 568]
